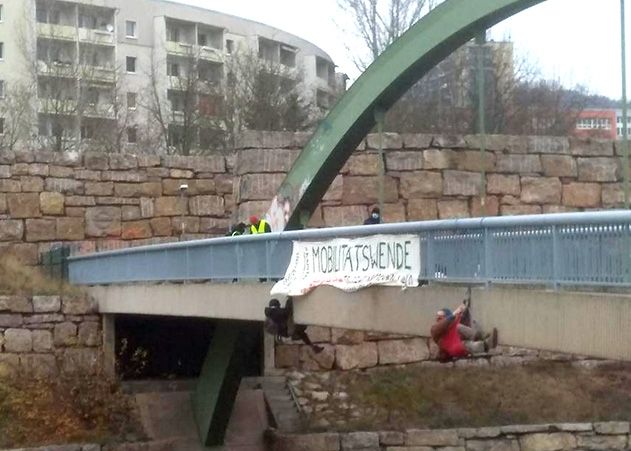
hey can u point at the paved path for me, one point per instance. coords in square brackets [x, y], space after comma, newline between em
[167, 417]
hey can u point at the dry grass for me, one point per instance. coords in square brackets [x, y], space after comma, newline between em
[15, 278]
[476, 397]
[64, 411]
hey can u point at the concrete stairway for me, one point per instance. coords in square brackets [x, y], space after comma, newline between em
[282, 405]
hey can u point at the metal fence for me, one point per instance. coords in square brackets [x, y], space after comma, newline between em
[55, 262]
[570, 248]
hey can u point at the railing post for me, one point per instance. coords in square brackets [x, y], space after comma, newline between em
[431, 270]
[487, 258]
[555, 257]
[268, 260]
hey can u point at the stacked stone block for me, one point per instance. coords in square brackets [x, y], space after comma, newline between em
[353, 349]
[537, 437]
[350, 349]
[46, 336]
[439, 177]
[99, 201]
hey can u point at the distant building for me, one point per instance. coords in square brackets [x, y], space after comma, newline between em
[596, 123]
[605, 123]
[620, 122]
[454, 79]
[75, 51]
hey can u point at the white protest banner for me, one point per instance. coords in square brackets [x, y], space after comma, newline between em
[351, 264]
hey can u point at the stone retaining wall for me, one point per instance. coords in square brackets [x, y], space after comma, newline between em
[544, 437]
[352, 349]
[98, 201]
[44, 336]
[438, 177]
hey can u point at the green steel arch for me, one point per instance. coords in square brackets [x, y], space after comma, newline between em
[428, 42]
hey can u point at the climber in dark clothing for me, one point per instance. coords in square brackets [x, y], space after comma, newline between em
[279, 321]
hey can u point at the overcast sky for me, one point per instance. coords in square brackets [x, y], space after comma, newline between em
[577, 41]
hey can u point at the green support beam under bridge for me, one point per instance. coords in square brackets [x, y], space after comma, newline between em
[407, 60]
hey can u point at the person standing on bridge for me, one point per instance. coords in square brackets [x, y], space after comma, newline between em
[259, 225]
[237, 229]
[374, 218]
[457, 335]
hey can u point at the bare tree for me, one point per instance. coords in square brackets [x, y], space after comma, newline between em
[17, 115]
[380, 22]
[203, 110]
[109, 116]
[262, 95]
[517, 100]
[545, 107]
[188, 115]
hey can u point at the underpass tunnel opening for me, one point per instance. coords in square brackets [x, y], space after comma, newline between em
[166, 347]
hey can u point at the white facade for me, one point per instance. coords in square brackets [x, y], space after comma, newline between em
[77, 49]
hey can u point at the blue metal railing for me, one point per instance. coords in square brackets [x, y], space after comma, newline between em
[590, 248]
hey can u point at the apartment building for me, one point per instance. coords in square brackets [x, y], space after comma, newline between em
[92, 63]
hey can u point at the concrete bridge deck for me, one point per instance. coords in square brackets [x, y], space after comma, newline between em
[590, 323]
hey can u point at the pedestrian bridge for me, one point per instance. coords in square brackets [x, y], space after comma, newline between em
[541, 279]
[557, 282]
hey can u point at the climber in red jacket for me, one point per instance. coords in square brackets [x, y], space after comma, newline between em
[455, 339]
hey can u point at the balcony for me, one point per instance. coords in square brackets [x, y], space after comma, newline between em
[202, 86]
[324, 85]
[177, 117]
[210, 54]
[98, 37]
[57, 107]
[177, 83]
[190, 50]
[55, 69]
[57, 32]
[100, 74]
[179, 48]
[99, 111]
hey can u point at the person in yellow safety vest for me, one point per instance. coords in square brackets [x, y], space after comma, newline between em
[259, 226]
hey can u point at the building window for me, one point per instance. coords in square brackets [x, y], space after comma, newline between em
[2, 92]
[288, 56]
[87, 132]
[1, 50]
[202, 39]
[130, 27]
[132, 137]
[54, 17]
[173, 69]
[131, 100]
[93, 96]
[1, 126]
[322, 99]
[176, 100]
[173, 34]
[87, 21]
[131, 64]
[45, 15]
[1, 12]
[229, 46]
